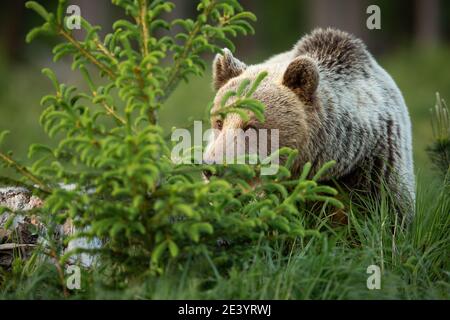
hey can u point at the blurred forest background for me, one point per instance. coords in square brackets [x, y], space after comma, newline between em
[413, 45]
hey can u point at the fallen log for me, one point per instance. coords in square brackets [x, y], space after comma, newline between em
[19, 237]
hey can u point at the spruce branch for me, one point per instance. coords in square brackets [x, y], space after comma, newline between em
[105, 51]
[152, 116]
[86, 53]
[25, 172]
[56, 26]
[142, 22]
[60, 270]
[110, 110]
[174, 75]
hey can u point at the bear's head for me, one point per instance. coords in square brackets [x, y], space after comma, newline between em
[288, 92]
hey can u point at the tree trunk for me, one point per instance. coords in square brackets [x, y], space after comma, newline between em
[427, 22]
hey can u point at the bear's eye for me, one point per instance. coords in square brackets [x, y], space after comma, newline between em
[219, 124]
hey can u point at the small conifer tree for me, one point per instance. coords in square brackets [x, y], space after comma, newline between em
[125, 190]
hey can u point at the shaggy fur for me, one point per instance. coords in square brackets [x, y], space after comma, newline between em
[332, 101]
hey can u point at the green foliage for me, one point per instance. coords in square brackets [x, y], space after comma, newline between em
[439, 151]
[124, 188]
[414, 263]
[244, 103]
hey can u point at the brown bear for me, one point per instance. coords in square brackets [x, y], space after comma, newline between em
[330, 100]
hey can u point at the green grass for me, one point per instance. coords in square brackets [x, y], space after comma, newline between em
[414, 261]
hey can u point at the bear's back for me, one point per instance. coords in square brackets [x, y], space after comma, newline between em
[335, 52]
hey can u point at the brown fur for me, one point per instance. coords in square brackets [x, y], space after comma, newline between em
[335, 50]
[225, 67]
[331, 101]
[302, 77]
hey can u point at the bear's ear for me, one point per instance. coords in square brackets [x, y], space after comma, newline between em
[302, 77]
[225, 67]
